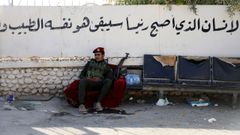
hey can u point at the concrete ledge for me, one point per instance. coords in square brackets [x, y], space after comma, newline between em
[10, 62]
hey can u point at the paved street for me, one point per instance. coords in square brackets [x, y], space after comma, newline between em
[55, 117]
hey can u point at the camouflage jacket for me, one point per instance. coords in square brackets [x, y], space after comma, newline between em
[97, 69]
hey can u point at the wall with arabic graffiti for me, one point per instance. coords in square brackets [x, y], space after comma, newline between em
[76, 31]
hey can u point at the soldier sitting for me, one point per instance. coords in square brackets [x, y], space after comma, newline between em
[95, 75]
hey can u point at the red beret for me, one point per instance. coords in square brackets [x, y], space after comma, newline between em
[99, 49]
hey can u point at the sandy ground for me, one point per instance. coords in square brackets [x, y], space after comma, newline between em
[56, 117]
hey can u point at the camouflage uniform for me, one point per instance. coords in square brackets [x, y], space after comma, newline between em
[94, 69]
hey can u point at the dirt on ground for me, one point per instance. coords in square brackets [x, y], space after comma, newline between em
[56, 117]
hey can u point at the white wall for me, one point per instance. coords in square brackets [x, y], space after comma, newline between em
[118, 40]
[53, 2]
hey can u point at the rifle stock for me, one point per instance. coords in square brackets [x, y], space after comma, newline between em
[118, 68]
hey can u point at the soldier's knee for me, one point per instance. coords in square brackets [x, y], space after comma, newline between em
[83, 80]
[108, 81]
